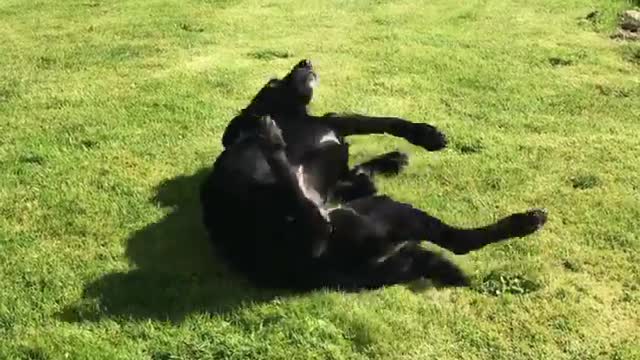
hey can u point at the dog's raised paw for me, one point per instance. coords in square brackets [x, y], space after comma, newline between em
[428, 137]
[270, 133]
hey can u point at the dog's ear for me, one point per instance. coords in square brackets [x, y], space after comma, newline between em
[230, 132]
[238, 126]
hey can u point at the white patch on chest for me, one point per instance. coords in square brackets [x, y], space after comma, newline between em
[329, 137]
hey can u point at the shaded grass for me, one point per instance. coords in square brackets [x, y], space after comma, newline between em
[109, 112]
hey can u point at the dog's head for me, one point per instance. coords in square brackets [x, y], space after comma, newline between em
[288, 95]
[284, 98]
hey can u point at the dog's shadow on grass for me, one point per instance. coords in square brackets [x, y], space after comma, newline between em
[176, 271]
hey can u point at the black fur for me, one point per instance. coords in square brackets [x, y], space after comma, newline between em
[282, 234]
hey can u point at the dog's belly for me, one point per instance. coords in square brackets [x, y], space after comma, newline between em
[318, 155]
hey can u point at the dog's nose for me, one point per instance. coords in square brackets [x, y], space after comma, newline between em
[305, 63]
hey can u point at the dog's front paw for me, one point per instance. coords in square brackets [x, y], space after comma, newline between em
[427, 136]
[270, 134]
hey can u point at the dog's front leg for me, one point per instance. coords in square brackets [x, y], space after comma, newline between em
[309, 214]
[424, 135]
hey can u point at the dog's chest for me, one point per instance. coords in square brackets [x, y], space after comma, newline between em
[307, 135]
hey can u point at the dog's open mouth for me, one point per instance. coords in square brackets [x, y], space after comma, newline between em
[304, 77]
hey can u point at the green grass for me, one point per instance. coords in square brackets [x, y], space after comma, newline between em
[111, 111]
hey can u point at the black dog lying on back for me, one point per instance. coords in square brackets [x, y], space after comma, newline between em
[266, 202]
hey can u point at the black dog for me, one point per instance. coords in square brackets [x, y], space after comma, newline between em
[265, 203]
[310, 136]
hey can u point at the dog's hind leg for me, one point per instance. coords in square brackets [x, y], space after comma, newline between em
[406, 223]
[408, 264]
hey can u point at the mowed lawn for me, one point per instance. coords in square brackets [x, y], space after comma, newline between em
[111, 112]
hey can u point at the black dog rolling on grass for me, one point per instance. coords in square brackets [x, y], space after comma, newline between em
[283, 208]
